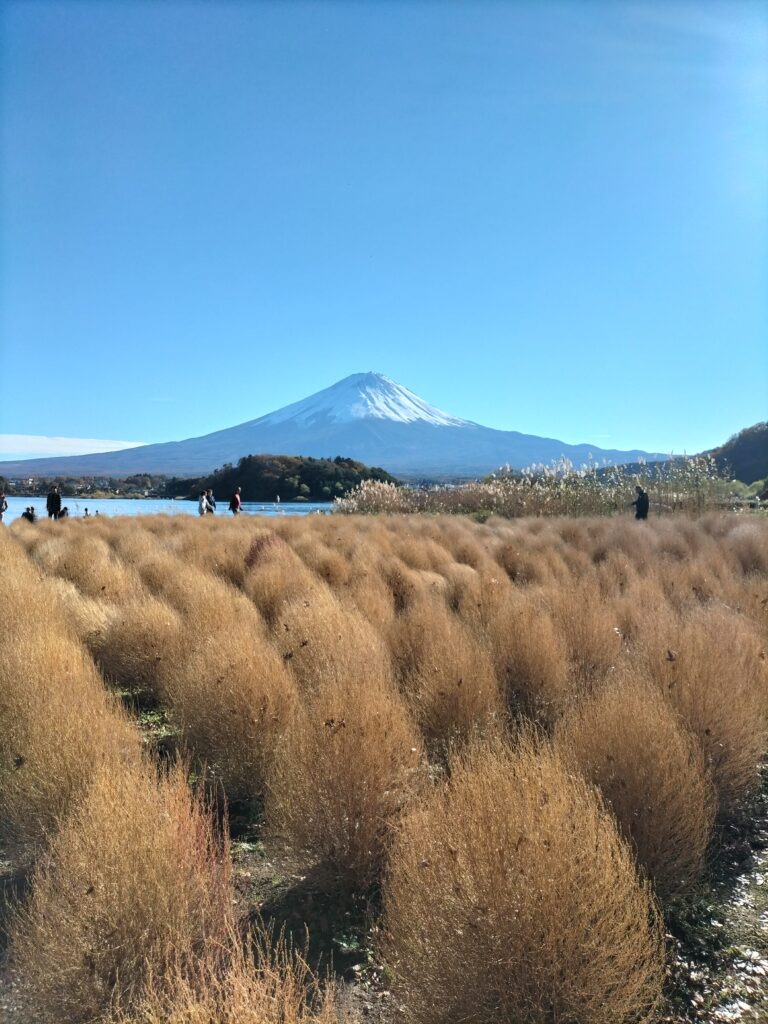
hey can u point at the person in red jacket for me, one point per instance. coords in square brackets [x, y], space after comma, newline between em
[235, 504]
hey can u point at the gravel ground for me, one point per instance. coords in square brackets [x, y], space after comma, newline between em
[720, 969]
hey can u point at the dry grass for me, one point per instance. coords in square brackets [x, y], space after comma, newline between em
[57, 724]
[85, 559]
[345, 770]
[530, 658]
[233, 699]
[135, 883]
[511, 897]
[322, 642]
[274, 574]
[446, 675]
[136, 641]
[588, 627]
[711, 666]
[263, 982]
[627, 741]
[86, 616]
[330, 665]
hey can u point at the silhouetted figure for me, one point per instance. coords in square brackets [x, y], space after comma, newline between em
[3, 505]
[53, 503]
[29, 514]
[87, 514]
[235, 503]
[211, 500]
[64, 513]
[641, 504]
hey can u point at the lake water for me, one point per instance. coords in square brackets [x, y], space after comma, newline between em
[157, 506]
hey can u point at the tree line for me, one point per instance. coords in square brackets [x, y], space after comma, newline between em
[287, 477]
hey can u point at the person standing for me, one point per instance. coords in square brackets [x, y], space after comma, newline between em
[641, 504]
[3, 505]
[211, 500]
[202, 504]
[235, 503]
[53, 503]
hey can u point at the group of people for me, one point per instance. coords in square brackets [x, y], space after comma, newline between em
[53, 507]
[52, 504]
[55, 510]
[30, 514]
[206, 504]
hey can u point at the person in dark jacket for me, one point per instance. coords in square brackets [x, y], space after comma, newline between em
[211, 500]
[53, 503]
[235, 502]
[641, 503]
[29, 514]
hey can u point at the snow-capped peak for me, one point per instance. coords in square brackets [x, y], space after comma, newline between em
[363, 396]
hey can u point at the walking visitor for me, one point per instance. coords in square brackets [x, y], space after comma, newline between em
[235, 503]
[641, 504]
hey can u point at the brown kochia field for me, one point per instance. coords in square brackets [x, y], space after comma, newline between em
[515, 743]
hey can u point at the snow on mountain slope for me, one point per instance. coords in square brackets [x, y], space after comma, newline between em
[360, 396]
[366, 416]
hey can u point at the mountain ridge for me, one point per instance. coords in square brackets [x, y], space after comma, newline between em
[365, 416]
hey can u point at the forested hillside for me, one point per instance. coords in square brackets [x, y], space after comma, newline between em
[746, 453]
[289, 477]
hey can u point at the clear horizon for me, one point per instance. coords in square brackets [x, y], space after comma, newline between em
[544, 218]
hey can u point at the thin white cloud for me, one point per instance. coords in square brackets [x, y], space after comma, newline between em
[40, 446]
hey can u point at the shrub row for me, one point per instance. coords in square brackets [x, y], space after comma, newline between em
[371, 680]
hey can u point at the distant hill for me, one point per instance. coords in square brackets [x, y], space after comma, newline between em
[745, 454]
[367, 416]
[289, 477]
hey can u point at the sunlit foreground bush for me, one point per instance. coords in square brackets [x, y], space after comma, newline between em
[58, 726]
[134, 884]
[471, 622]
[346, 769]
[446, 674]
[510, 896]
[264, 982]
[712, 666]
[337, 666]
[628, 742]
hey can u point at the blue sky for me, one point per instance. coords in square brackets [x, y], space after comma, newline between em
[546, 217]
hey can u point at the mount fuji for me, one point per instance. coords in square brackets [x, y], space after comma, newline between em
[366, 416]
